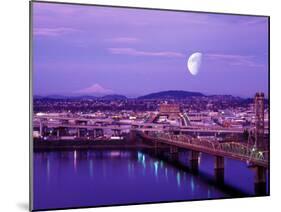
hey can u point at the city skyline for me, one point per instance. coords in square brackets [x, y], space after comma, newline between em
[134, 52]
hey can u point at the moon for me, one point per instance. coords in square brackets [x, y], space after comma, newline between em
[194, 62]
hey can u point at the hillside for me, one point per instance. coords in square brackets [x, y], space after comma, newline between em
[172, 94]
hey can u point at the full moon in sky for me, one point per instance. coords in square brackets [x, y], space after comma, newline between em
[194, 63]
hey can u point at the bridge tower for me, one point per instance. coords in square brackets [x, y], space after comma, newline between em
[259, 119]
[260, 172]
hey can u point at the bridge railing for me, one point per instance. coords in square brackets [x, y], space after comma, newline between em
[235, 148]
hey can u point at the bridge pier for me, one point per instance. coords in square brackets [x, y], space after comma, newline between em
[260, 180]
[194, 156]
[174, 153]
[219, 169]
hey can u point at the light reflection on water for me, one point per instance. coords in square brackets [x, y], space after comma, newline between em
[178, 179]
[48, 169]
[90, 178]
[75, 160]
[192, 184]
[156, 168]
[91, 168]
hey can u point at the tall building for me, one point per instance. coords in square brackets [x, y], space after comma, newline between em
[169, 109]
[259, 119]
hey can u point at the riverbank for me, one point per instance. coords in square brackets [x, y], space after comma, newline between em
[40, 144]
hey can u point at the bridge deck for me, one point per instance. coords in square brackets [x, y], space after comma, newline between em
[243, 155]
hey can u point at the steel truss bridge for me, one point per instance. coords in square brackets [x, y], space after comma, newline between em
[234, 150]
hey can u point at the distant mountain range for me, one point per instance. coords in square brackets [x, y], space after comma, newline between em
[113, 97]
[63, 97]
[106, 97]
[172, 94]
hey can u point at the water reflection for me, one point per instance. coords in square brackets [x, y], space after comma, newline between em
[209, 193]
[199, 158]
[192, 186]
[90, 178]
[141, 159]
[91, 168]
[48, 169]
[75, 160]
[139, 154]
[129, 168]
[156, 168]
[161, 164]
[178, 179]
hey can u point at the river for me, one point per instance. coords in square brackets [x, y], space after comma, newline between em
[83, 178]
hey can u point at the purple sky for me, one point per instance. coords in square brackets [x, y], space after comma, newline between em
[99, 50]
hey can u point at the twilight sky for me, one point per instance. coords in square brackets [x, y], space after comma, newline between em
[89, 50]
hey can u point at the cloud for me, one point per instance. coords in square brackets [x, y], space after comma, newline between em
[134, 52]
[239, 60]
[123, 40]
[53, 32]
[94, 89]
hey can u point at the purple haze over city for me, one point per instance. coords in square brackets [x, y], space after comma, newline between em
[90, 50]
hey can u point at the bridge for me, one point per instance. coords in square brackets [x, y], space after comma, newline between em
[233, 150]
[91, 131]
[255, 158]
[78, 119]
[98, 126]
[193, 129]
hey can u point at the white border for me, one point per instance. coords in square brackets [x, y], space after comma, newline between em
[14, 85]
